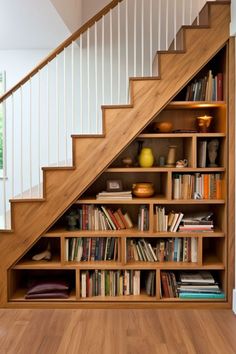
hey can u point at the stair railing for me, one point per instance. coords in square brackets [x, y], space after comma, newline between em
[63, 95]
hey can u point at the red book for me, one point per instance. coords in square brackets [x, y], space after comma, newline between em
[113, 219]
[164, 282]
[219, 87]
[122, 218]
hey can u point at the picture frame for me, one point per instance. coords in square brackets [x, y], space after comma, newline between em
[114, 185]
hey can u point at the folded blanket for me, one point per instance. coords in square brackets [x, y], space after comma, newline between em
[47, 286]
[49, 295]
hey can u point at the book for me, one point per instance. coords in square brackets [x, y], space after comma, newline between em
[202, 153]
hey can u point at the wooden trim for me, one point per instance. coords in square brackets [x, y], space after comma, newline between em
[61, 47]
[231, 168]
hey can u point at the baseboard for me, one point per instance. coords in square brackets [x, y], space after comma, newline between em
[234, 301]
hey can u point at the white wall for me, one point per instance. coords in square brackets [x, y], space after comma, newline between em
[70, 11]
[18, 63]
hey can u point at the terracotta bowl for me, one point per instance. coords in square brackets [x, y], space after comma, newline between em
[163, 127]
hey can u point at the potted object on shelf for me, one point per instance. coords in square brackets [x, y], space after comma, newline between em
[163, 127]
[143, 190]
[146, 158]
[182, 163]
[203, 123]
[171, 158]
[127, 161]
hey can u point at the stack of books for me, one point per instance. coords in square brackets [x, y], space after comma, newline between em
[197, 186]
[110, 283]
[167, 222]
[79, 249]
[143, 218]
[102, 218]
[115, 195]
[168, 250]
[199, 285]
[208, 88]
[198, 222]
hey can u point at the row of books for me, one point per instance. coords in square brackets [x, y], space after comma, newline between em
[91, 249]
[190, 285]
[177, 221]
[167, 222]
[197, 186]
[92, 217]
[168, 250]
[208, 88]
[110, 283]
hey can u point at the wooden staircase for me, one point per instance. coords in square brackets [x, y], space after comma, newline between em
[121, 124]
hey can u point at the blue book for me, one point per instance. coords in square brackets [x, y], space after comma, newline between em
[201, 296]
[176, 249]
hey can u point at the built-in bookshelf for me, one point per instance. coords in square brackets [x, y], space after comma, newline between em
[130, 250]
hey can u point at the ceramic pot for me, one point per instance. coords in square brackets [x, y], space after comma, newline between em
[143, 190]
[146, 158]
[163, 127]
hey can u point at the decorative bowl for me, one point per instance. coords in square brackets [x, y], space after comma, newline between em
[163, 127]
[127, 161]
[143, 190]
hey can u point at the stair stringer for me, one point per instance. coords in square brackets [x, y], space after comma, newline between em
[92, 155]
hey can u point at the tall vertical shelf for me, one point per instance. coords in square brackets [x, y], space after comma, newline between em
[212, 247]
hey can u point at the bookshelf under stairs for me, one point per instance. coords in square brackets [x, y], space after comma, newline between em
[108, 275]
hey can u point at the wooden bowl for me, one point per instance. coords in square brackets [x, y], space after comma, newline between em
[163, 127]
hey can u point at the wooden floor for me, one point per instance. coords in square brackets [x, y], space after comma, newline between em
[117, 331]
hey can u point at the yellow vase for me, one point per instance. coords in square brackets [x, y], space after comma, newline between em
[146, 158]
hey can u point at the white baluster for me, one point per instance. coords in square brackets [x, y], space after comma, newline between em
[96, 75]
[150, 37]
[127, 48]
[111, 58]
[64, 105]
[81, 81]
[73, 86]
[57, 112]
[39, 133]
[4, 163]
[13, 147]
[21, 142]
[167, 23]
[175, 26]
[88, 79]
[142, 38]
[159, 25]
[135, 37]
[103, 64]
[198, 9]
[48, 111]
[190, 12]
[183, 12]
[30, 138]
[118, 52]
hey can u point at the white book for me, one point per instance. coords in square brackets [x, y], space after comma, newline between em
[193, 249]
[174, 222]
[178, 221]
[67, 250]
[152, 252]
[83, 285]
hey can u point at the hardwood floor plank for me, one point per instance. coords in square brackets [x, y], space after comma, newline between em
[117, 332]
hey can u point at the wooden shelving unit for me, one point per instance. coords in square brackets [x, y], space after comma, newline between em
[182, 114]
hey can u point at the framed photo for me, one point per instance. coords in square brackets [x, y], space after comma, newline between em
[114, 185]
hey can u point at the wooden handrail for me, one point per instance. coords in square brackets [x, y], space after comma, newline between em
[61, 47]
